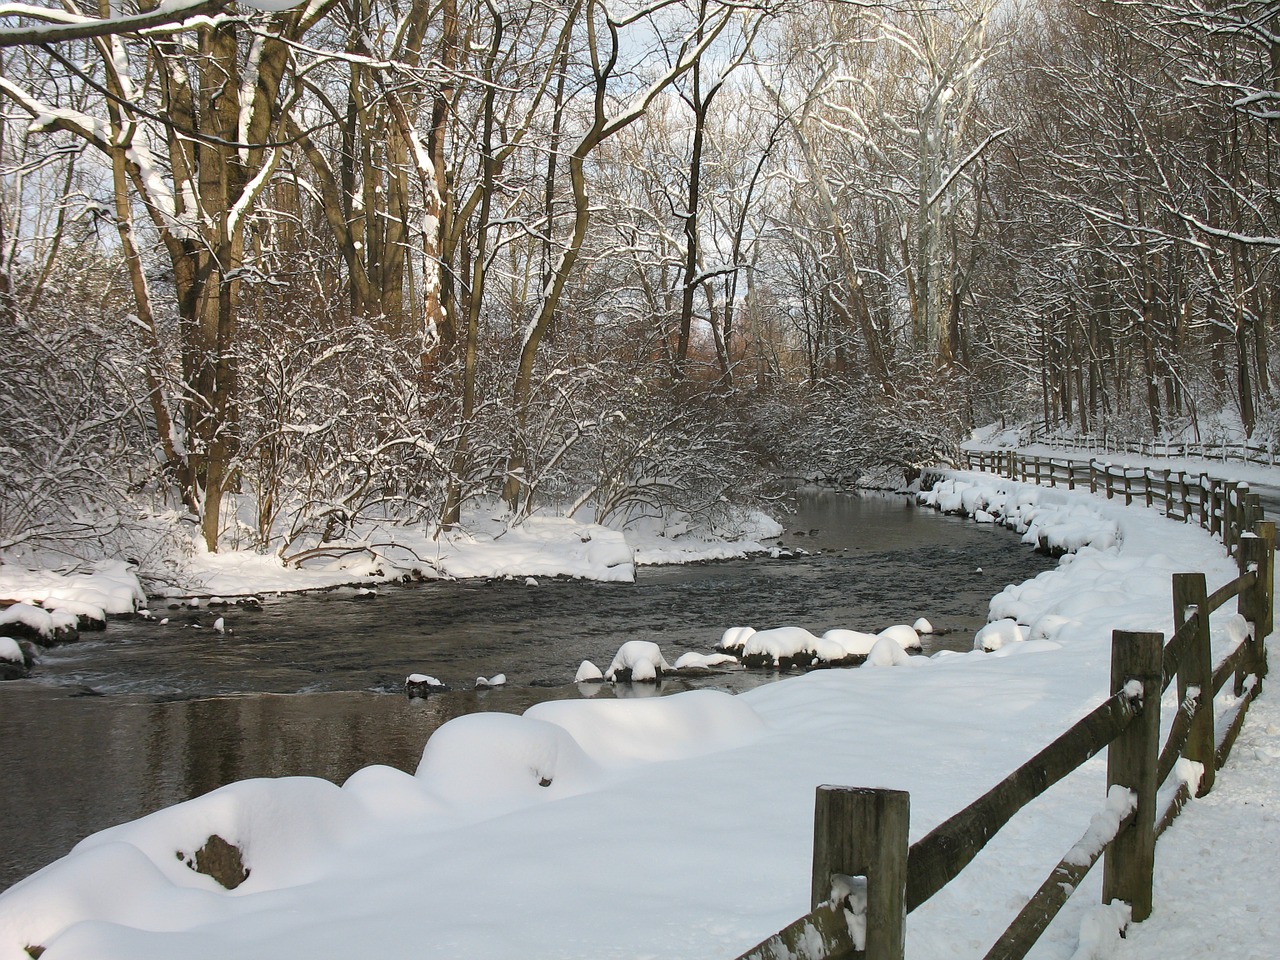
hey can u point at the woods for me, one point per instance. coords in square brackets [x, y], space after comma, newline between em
[268, 273]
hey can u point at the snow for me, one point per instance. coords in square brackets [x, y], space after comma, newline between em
[588, 672]
[778, 643]
[997, 633]
[110, 587]
[703, 661]
[45, 623]
[607, 828]
[484, 545]
[9, 650]
[855, 642]
[887, 652]
[640, 660]
[906, 637]
[1104, 826]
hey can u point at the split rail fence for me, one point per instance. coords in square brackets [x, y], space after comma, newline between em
[866, 879]
[1243, 452]
[1225, 508]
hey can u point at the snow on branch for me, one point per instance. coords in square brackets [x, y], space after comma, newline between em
[59, 26]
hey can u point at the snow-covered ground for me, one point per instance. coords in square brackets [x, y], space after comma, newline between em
[681, 826]
[484, 545]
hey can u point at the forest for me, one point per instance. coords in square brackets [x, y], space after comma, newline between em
[265, 273]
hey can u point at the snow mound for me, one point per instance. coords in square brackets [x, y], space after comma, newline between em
[734, 638]
[855, 642]
[9, 650]
[496, 762]
[778, 647]
[887, 652]
[44, 626]
[995, 635]
[587, 672]
[638, 661]
[906, 637]
[619, 733]
[703, 661]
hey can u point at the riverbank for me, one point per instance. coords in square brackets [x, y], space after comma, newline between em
[484, 545]
[648, 806]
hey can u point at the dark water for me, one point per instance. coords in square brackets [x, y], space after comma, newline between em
[312, 684]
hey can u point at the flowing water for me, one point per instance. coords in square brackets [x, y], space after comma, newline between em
[148, 714]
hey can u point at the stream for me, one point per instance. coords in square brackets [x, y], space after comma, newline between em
[148, 714]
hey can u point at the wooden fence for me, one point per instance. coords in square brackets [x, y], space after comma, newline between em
[866, 878]
[1242, 452]
[1225, 508]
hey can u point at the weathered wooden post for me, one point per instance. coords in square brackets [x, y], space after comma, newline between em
[1256, 513]
[1215, 511]
[1128, 486]
[1146, 485]
[1230, 524]
[1168, 493]
[1195, 669]
[1257, 604]
[862, 832]
[1131, 762]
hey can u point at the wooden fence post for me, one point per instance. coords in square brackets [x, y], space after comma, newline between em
[1128, 486]
[1131, 762]
[1146, 483]
[1256, 513]
[1215, 515]
[862, 832]
[1257, 604]
[1195, 669]
[1230, 524]
[1168, 493]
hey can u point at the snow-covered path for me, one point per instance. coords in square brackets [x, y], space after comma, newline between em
[1216, 867]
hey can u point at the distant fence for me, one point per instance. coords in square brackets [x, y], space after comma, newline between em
[866, 878]
[1241, 452]
[1225, 508]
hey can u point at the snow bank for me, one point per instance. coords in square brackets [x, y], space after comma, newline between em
[484, 545]
[1051, 520]
[110, 587]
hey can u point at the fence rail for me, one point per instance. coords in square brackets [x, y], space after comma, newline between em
[1239, 452]
[866, 879]
[1225, 508]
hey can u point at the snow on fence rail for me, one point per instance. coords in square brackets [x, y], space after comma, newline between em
[1242, 452]
[1225, 508]
[866, 878]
